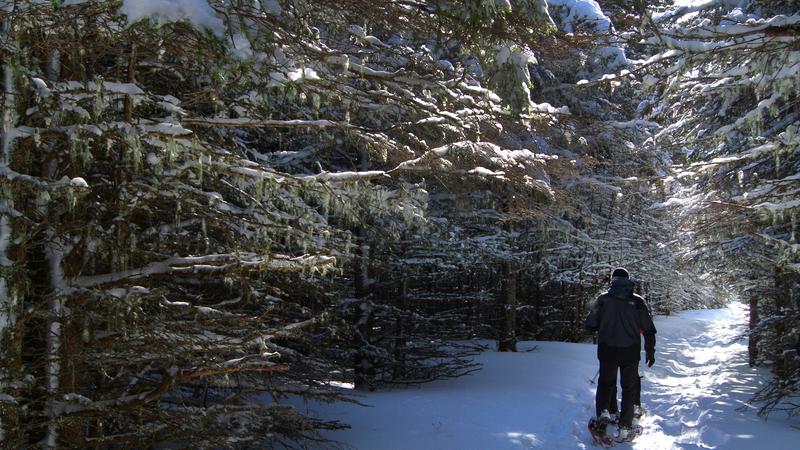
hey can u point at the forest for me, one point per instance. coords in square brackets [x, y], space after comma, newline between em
[210, 203]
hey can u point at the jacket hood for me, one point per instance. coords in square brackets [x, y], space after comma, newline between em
[621, 287]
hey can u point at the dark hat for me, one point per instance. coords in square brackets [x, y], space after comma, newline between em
[619, 272]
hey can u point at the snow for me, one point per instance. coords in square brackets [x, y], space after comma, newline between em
[585, 13]
[166, 129]
[547, 108]
[751, 153]
[107, 86]
[272, 7]
[198, 12]
[118, 88]
[344, 176]
[79, 182]
[299, 75]
[40, 86]
[505, 55]
[543, 398]
[634, 123]
[733, 29]
[82, 112]
[684, 7]
[359, 32]
[600, 184]
[615, 57]
[241, 46]
[445, 65]
[248, 122]
[484, 172]
[778, 206]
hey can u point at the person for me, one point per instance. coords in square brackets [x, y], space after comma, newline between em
[620, 318]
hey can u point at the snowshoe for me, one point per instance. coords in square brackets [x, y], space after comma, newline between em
[607, 417]
[638, 411]
[597, 428]
[626, 434]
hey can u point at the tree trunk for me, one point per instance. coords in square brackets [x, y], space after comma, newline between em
[784, 362]
[55, 307]
[131, 79]
[508, 313]
[10, 339]
[537, 307]
[401, 332]
[363, 369]
[10, 308]
[752, 346]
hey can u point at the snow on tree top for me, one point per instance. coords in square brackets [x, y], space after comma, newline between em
[79, 182]
[585, 13]
[198, 12]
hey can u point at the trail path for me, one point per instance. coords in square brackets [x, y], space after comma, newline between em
[696, 397]
[698, 391]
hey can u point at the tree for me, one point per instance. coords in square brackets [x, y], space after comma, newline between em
[728, 90]
[179, 197]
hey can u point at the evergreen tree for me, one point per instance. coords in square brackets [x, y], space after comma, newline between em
[725, 82]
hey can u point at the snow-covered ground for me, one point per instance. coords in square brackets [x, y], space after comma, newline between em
[543, 398]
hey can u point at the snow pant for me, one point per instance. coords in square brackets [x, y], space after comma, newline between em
[607, 387]
[637, 398]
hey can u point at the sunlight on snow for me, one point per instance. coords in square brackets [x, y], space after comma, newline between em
[702, 374]
[341, 384]
[527, 440]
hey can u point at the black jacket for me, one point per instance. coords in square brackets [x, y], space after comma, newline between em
[619, 316]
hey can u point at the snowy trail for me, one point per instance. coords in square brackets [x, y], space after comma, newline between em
[542, 399]
[698, 391]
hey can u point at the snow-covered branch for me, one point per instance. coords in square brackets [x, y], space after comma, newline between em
[217, 264]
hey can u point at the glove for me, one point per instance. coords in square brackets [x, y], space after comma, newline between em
[651, 358]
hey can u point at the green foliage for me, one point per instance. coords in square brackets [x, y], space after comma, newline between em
[509, 77]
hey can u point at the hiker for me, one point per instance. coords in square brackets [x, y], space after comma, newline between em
[620, 317]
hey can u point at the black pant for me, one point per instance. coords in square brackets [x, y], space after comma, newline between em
[607, 387]
[613, 408]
